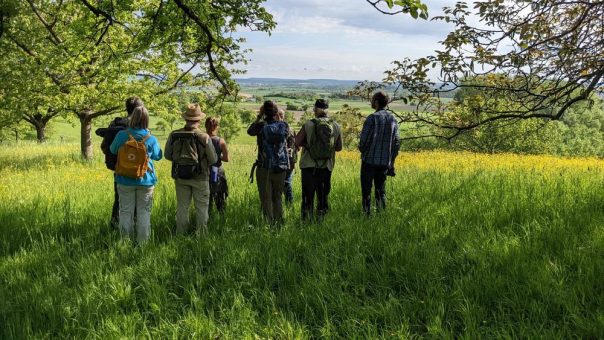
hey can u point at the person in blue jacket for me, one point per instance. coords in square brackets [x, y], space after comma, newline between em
[137, 193]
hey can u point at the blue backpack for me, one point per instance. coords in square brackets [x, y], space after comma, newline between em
[274, 146]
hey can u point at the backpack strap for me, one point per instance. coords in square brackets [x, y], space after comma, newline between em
[144, 139]
[199, 145]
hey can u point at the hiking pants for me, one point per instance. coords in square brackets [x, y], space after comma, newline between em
[288, 190]
[373, 175]
[219, 192]
[115, 211]
[140, 199]
[315, 181]
[270, 187]
[199, 191]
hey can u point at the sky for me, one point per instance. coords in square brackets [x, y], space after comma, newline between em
[339, 39]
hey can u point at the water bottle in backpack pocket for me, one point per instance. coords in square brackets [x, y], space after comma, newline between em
[274, 146]
[213, 174]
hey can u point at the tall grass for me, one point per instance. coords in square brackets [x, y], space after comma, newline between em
[471, 245]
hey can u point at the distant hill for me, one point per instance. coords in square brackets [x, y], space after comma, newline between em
[295, 82]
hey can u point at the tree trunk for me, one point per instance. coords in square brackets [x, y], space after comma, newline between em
[16, 135]
[85, 136]
[41, 132]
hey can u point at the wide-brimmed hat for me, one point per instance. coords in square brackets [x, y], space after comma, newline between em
[193, 113]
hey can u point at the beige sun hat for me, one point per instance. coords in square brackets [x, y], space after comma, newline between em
[193, 113]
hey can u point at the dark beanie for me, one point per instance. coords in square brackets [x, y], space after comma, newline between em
[321, 104]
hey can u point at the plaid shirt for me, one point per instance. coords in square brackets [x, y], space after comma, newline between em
[380, 141]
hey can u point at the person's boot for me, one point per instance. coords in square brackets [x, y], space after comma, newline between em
[367, 206]
[321, 215]
[380, 202]
[306, 215]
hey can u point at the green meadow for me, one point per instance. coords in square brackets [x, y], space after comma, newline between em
[470, 246]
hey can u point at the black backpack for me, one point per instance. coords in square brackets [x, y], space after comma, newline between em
[274, 146]
[108, 134]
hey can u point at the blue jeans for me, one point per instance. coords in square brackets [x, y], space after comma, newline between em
[287, 190]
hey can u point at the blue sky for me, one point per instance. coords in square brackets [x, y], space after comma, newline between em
[339, 39]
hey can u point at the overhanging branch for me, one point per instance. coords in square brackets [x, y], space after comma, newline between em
[208, 47]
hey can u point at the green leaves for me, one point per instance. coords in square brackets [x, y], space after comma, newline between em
[540, 57]
[415, 8]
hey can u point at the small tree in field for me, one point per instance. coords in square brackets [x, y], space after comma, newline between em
[247, 116]
[351, 122]
[230, 120]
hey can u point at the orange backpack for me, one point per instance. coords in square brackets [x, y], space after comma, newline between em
[132, 158]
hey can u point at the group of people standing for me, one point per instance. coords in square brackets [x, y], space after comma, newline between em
[197, 169]
[319, 139]
[197, 158]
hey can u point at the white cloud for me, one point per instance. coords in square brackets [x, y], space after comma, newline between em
[343, 39]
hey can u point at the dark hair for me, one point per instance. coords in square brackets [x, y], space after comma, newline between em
[139, 118]
[381, 99]
[211, 124]
[132, 103]
[269, 109]
[322, 104]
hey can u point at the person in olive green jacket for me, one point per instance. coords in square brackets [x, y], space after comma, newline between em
[191, 153]
[316, 173]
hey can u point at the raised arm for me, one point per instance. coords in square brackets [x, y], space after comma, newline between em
[255, 128]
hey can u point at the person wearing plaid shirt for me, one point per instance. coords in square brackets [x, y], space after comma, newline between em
[379, 146]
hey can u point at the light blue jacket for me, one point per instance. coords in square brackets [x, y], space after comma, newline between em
[153, 149]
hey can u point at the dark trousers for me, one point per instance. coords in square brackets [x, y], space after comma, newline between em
[219, 192]
[115, 212]
[288, 190]
[315, 181]
[373, 175]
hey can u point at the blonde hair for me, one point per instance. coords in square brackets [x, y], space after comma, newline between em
[139, 118]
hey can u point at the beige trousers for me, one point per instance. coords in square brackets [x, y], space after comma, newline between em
[199, 191]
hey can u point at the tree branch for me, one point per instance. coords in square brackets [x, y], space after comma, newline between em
[211, 40]
[56, 40]
[104, 112]
[177, 82]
